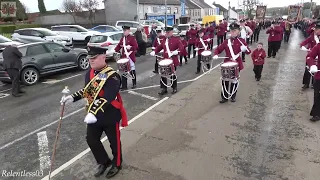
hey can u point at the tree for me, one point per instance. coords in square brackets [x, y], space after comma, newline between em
[73, 7]
[91, 6]
[42, 7]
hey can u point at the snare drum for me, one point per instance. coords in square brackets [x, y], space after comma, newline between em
[229, 71]
[166, 67]
[206, 57]
[124, 65]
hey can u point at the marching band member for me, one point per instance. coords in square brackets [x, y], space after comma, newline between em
[201, 45]
[129, 46]
[314, 66]
[258, 56]
[245, 33]
[192, 37]
[310, 42]
[157, 42]
[104, 111]
[233, 48]
[171, 47]
[225, 23]
[210, 31]
[220, 32]
[183, 53]
[253, 26]
[274, 37]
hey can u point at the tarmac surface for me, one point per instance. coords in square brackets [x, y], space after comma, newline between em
[265, 135]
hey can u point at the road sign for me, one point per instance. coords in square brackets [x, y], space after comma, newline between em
[183, 10]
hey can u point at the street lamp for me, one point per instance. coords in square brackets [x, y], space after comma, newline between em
[166, 18]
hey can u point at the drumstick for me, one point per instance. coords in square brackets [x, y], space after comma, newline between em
[158, 56]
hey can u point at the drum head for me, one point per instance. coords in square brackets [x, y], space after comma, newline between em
[124, 60]
[206, 53]
[229, 64]
[165, 62]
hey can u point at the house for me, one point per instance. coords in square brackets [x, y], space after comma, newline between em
[221, 10]
[156, 10]
[194, 11]
[209, 10]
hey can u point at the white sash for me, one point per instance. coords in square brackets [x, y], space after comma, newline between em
[167, 48]
[127, 54]
[316, 38]
[234, 57]
[203, 44]
[158, 41]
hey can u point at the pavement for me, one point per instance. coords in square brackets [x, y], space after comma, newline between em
[265, 135]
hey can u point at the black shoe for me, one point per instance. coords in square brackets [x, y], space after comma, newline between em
[243, 60]
[113, 171]
[305, 86]
[22, 92]
[174, 91]
[198, 72]
[233, 99]
[123, 89]
[269, 56]
[101, 169]
[163, 92]
[16, 95]
[315, 118]
[186, 62]
[133, 86]
[273, 56]
[258, 79]
[155, 72]
[223, 101]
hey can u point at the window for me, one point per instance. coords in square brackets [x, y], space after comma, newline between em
[154, 9]
[168, 10]
[149, 9]
[116, 37]
[176, 10]
[35, 33]
[46, 32]
[54, 47]
[98, 39]
[4, 39]
[187, 12]
[23, 51]
[199, 13]
[109, 29]
[60, 28]
[100, 28]
[36, 50]
[24, 32]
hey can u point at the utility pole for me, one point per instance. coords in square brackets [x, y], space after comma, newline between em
[138, 11]
[166, 9]
[229, 11]
[311, 9]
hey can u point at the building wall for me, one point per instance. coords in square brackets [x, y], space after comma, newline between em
[195, 14]
[120, 10]
[209, 11]
[155, 10]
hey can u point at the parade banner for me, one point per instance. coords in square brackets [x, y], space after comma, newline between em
[8, 9]
[261, 12]
[294, 13]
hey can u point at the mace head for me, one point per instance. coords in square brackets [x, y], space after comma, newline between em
[65, 90]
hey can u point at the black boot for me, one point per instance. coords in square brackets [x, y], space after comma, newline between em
[315, 118]
[134, 81]
[101, 169]
[163, 92]
[305, 86]
[174, 91]
[113, 171]
[233, 99]
[223, 101]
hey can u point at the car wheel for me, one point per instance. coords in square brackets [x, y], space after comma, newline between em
[29, 76]
[83, 63]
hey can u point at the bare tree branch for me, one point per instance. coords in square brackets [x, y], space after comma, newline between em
[26, 9]
[73, 7]
[91, 6]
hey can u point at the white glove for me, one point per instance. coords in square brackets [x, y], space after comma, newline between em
[208, 39]
[248, 36]
[152, 53]
[66, 99]
[215, 57]
[161, 51]
[128, 47]
[153, 48]
[196, 49]
[304, 48]
[313, 69]
[90, 119]
[175, 52]
[243, 48]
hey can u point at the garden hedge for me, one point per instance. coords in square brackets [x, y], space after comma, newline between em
[12, 28]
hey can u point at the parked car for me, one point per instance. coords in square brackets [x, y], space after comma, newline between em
[132, 24]
[75, 32]
[43, 58]
[30, 35]
[4, 42]
[149, 23]
[105, 28]
[183, 28]
[107, 41]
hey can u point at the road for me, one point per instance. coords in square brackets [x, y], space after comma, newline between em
[265, 135]
[28, 123]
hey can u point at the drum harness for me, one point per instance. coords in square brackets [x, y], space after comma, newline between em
[127, 74]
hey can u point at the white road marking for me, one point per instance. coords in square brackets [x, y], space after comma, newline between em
[5, 90]
[60, 80]
[37, 130]
[143, 95]
[218, 65]
[67, 164]
[2, 95]
[2, 85]
[43, 150]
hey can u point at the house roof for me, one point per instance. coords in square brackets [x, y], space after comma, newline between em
[160, 2]
[191, 5]
[202, 3]
[221, 8]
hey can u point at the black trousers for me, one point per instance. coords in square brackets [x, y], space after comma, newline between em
[124, 79]
[94, 132]
[15, 78]
[306, 77]
[225, 36]
[257, 69]
[247, 40]
[189, 50]
[156, 65]
[211, 44]
[199, 64]
[286, 36]
[164, 80]
[272, 48]
[185, 59]
[243, 56]
[142, 48]
[256, 35]
[315, 111]
[219, 40]
[224, 92]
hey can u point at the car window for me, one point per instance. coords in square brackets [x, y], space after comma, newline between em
[182, 28]
[121, 24]
[116, 37]
[60, 28]
[24, 32]
[35, 33]
[98, 39]
[109, 29]
[99, 28]
[36, 50]
[4, 39]
[54, 47]
[73, 29]
[134, 25]
[23, 51]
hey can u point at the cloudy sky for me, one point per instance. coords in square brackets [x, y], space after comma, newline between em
[56, 4]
